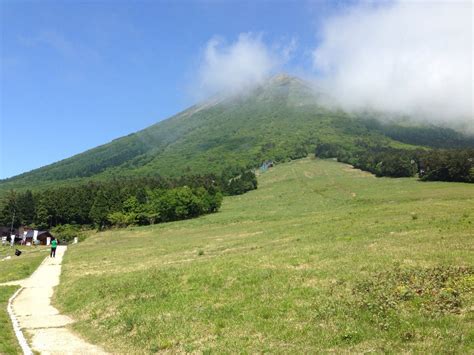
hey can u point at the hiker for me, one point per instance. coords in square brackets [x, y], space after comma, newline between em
[54, 245]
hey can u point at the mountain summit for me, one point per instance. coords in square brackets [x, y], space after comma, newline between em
[280, 119]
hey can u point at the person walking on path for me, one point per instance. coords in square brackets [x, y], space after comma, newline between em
[54, 245]
[48, 330]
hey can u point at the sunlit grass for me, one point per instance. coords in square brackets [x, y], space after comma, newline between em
[8, 342]
[20, 267]
[11, 269]
[303, 264]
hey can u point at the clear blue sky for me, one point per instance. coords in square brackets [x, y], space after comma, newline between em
[77, 74]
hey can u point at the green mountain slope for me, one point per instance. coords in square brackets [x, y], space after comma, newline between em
[279, 120]
[321, 258]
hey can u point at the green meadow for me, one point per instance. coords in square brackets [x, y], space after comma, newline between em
[20, 267]
[8, 342]
[321, 258]
[15, 268]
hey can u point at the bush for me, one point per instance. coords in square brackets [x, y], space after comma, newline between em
[66, 232]
[121, 219]
[448, 165]
[242, 183]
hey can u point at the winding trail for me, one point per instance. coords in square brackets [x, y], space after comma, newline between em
[41, 323]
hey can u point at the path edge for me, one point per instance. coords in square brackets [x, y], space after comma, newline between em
[16, 326]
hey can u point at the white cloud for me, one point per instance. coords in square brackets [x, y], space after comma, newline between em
[407, 57]
[288, 50]
[230, 68]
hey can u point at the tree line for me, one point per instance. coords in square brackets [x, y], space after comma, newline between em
[430, 165]
[426, 135]
[122, 202]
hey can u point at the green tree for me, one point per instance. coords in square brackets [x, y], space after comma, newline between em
[9, 212]
[26, 207]
[100, 209]
[66, 232]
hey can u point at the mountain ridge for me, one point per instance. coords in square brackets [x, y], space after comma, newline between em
[282, 118]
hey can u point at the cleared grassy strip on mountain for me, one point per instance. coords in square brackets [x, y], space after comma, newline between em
[322, 257]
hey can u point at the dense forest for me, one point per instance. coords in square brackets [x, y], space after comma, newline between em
[430, 165]
[122, 202]
[421, 135]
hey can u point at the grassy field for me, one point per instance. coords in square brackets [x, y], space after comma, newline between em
[8, 342]
[20, 267]
[16, 268]
[321, 257]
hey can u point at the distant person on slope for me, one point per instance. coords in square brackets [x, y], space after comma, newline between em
[54, 245]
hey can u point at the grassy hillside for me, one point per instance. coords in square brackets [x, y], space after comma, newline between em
[279, 120]
[321, 257]
[263, 124]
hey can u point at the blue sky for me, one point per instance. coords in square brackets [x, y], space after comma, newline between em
[77, 74]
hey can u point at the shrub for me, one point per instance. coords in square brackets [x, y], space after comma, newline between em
[66, 232]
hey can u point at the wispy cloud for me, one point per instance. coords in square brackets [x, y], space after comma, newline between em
[232, 67]
[62, 45]
[407, 57]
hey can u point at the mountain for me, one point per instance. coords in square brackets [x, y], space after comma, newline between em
[284, 118]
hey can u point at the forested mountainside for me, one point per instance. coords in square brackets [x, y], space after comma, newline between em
[280, 120]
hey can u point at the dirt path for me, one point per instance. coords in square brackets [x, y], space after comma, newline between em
[39, 320]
